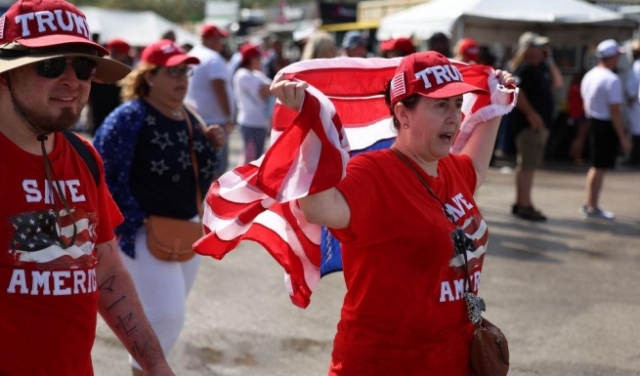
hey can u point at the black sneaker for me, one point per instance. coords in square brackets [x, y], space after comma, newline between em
[528, 213]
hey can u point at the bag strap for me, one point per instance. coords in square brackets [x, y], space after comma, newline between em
[84, 152]
[194, 163]
[475, 305]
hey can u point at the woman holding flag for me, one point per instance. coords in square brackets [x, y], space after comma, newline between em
[394, 213]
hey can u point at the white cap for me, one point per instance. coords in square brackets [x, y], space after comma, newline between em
[608, 48]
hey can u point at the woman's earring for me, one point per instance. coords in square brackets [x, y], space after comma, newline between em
[405, 126]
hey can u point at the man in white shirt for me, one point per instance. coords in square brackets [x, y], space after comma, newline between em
[602, 95]
[210, 85]
[632, 84]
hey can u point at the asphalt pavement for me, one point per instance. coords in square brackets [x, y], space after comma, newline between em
[565, 293]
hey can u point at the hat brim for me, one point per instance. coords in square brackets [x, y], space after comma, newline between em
[453, 90]
[620, 51]
[540, 41]
[218, 34]
[61, 40]
[181, 59]
[107, 70]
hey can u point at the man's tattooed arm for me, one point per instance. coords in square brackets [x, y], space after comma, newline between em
[120, 308]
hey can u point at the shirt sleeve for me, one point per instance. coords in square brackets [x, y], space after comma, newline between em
[615, 92]
[217, 69]
[249, 86]
[468, 171]
[358, 189]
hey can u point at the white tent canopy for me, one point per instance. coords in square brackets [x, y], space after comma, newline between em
[502, 21]
[136, 28]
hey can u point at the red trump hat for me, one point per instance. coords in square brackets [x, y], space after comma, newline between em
[429, 74]
[469, 49]
[166, 53]
[119, 45]
[211, 30]
[404, 45]
[36, 30]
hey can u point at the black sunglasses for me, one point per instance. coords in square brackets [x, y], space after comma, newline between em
[176, 72]
[84, 68]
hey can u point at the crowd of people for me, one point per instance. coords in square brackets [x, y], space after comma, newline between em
[80, 218]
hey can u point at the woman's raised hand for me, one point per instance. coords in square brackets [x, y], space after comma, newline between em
[504, 78]
[290, 93]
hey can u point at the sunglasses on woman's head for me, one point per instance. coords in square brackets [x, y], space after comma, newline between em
[176, 72]
[84, 68]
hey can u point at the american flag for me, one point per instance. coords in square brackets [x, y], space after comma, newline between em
[397, 85]
[38, 238]
[343, 113]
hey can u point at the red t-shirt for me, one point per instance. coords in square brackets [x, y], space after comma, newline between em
[49, 293]
[403, 313]
[574, 100]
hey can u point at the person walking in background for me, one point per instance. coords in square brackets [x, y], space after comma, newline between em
[440, 43]
[275, 59]
[602, 94]
[632, 84]
[210, 89]
[320, 45]
[577, 119]
[157, 157]
[104, 98]
[59, 266]
[397, 48]
[251, 88]
[467, 51]
[428, 331]
[354, 44]
[537, 77]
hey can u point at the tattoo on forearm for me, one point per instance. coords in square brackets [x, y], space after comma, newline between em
[125, 324]
[107, 285]
[122, 298]
[100, 252]
[136, 349]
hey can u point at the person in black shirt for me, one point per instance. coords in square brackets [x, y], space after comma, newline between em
[104, 98]
[537, 76]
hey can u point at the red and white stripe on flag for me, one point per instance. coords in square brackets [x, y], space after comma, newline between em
[344, 110]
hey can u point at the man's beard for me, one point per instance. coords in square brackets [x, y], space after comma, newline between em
[44, 123]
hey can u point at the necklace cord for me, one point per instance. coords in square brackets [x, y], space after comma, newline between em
[56, 190]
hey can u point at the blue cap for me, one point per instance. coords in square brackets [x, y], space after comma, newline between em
[353, 39]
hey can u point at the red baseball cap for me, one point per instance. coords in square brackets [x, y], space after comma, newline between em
[211, 30]
[46, 23]
[404, 45]
[119, 45]
[166, 53]
[36, 30]
[469, 49]
[249, 51]
[429, 74]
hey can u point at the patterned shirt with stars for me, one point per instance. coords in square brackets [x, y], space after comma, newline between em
[162, 178]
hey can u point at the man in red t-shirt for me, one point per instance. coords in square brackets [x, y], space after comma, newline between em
[59, 263]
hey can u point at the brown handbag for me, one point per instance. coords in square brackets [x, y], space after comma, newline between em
[489, 355]
[489, 350]
[171, 239]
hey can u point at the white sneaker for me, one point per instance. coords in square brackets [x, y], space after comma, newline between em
[597, 213]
